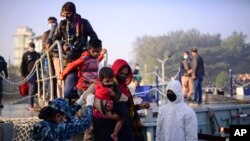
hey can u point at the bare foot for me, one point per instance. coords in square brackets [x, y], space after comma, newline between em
[114, 137]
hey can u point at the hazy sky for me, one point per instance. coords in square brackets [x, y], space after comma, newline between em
[118, 22]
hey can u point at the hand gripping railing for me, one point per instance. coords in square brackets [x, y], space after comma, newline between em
[50, 78]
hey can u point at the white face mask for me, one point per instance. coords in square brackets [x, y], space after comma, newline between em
[51, 25]
[63, 18]
[185, 56]
[31, 49]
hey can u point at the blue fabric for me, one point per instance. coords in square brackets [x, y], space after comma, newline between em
[146, 96]
[51, 131]
[70, 91]
[1, 89]
[198, 89]
[32, 89]
[61, 105]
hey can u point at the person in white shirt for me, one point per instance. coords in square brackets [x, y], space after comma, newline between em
[176, 121]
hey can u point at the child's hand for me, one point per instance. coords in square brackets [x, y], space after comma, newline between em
[104, 50]
[61, 76]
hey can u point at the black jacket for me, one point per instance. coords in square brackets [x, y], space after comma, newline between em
[3, 67]
[67, 33]
[185, 65]
[198, 66]
[28, 61]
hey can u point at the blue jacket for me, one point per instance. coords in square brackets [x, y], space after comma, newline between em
[51, 131]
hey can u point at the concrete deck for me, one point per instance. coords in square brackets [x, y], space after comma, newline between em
[17, 111]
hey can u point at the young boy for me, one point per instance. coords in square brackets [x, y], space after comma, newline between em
[106, 92]
[87, 65]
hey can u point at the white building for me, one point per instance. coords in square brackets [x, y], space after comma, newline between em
[23, 36]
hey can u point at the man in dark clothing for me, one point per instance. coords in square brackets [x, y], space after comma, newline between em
[198, 73]
[3, 72]
[73, 31]
[28, 61]
[46, 43]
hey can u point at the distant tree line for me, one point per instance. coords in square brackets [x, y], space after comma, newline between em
[219, 55]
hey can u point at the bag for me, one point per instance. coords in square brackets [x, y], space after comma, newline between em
[24, 89]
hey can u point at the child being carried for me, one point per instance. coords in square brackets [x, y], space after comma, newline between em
[109, 101]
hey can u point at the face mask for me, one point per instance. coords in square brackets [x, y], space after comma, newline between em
[51, 25]
[69, 18]
[171, 97]
[31, 49]
[121, 78]
[185, 56]
[108, 85]
[63, 18]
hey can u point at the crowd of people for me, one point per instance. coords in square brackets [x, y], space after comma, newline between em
[102, 93]
[110, 113]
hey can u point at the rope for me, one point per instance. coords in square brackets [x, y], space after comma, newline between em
[147, 91]
[22, 99]
[242, 83]
[149, 73]
[11, 93]
[22, 81]
[166, 78]
[159, 77]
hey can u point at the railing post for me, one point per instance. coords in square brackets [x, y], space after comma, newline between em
[61, 64]
[231, 82]
[157, 85]
[106, 59]
[38, 81]
[43, 81]
[50, 76]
